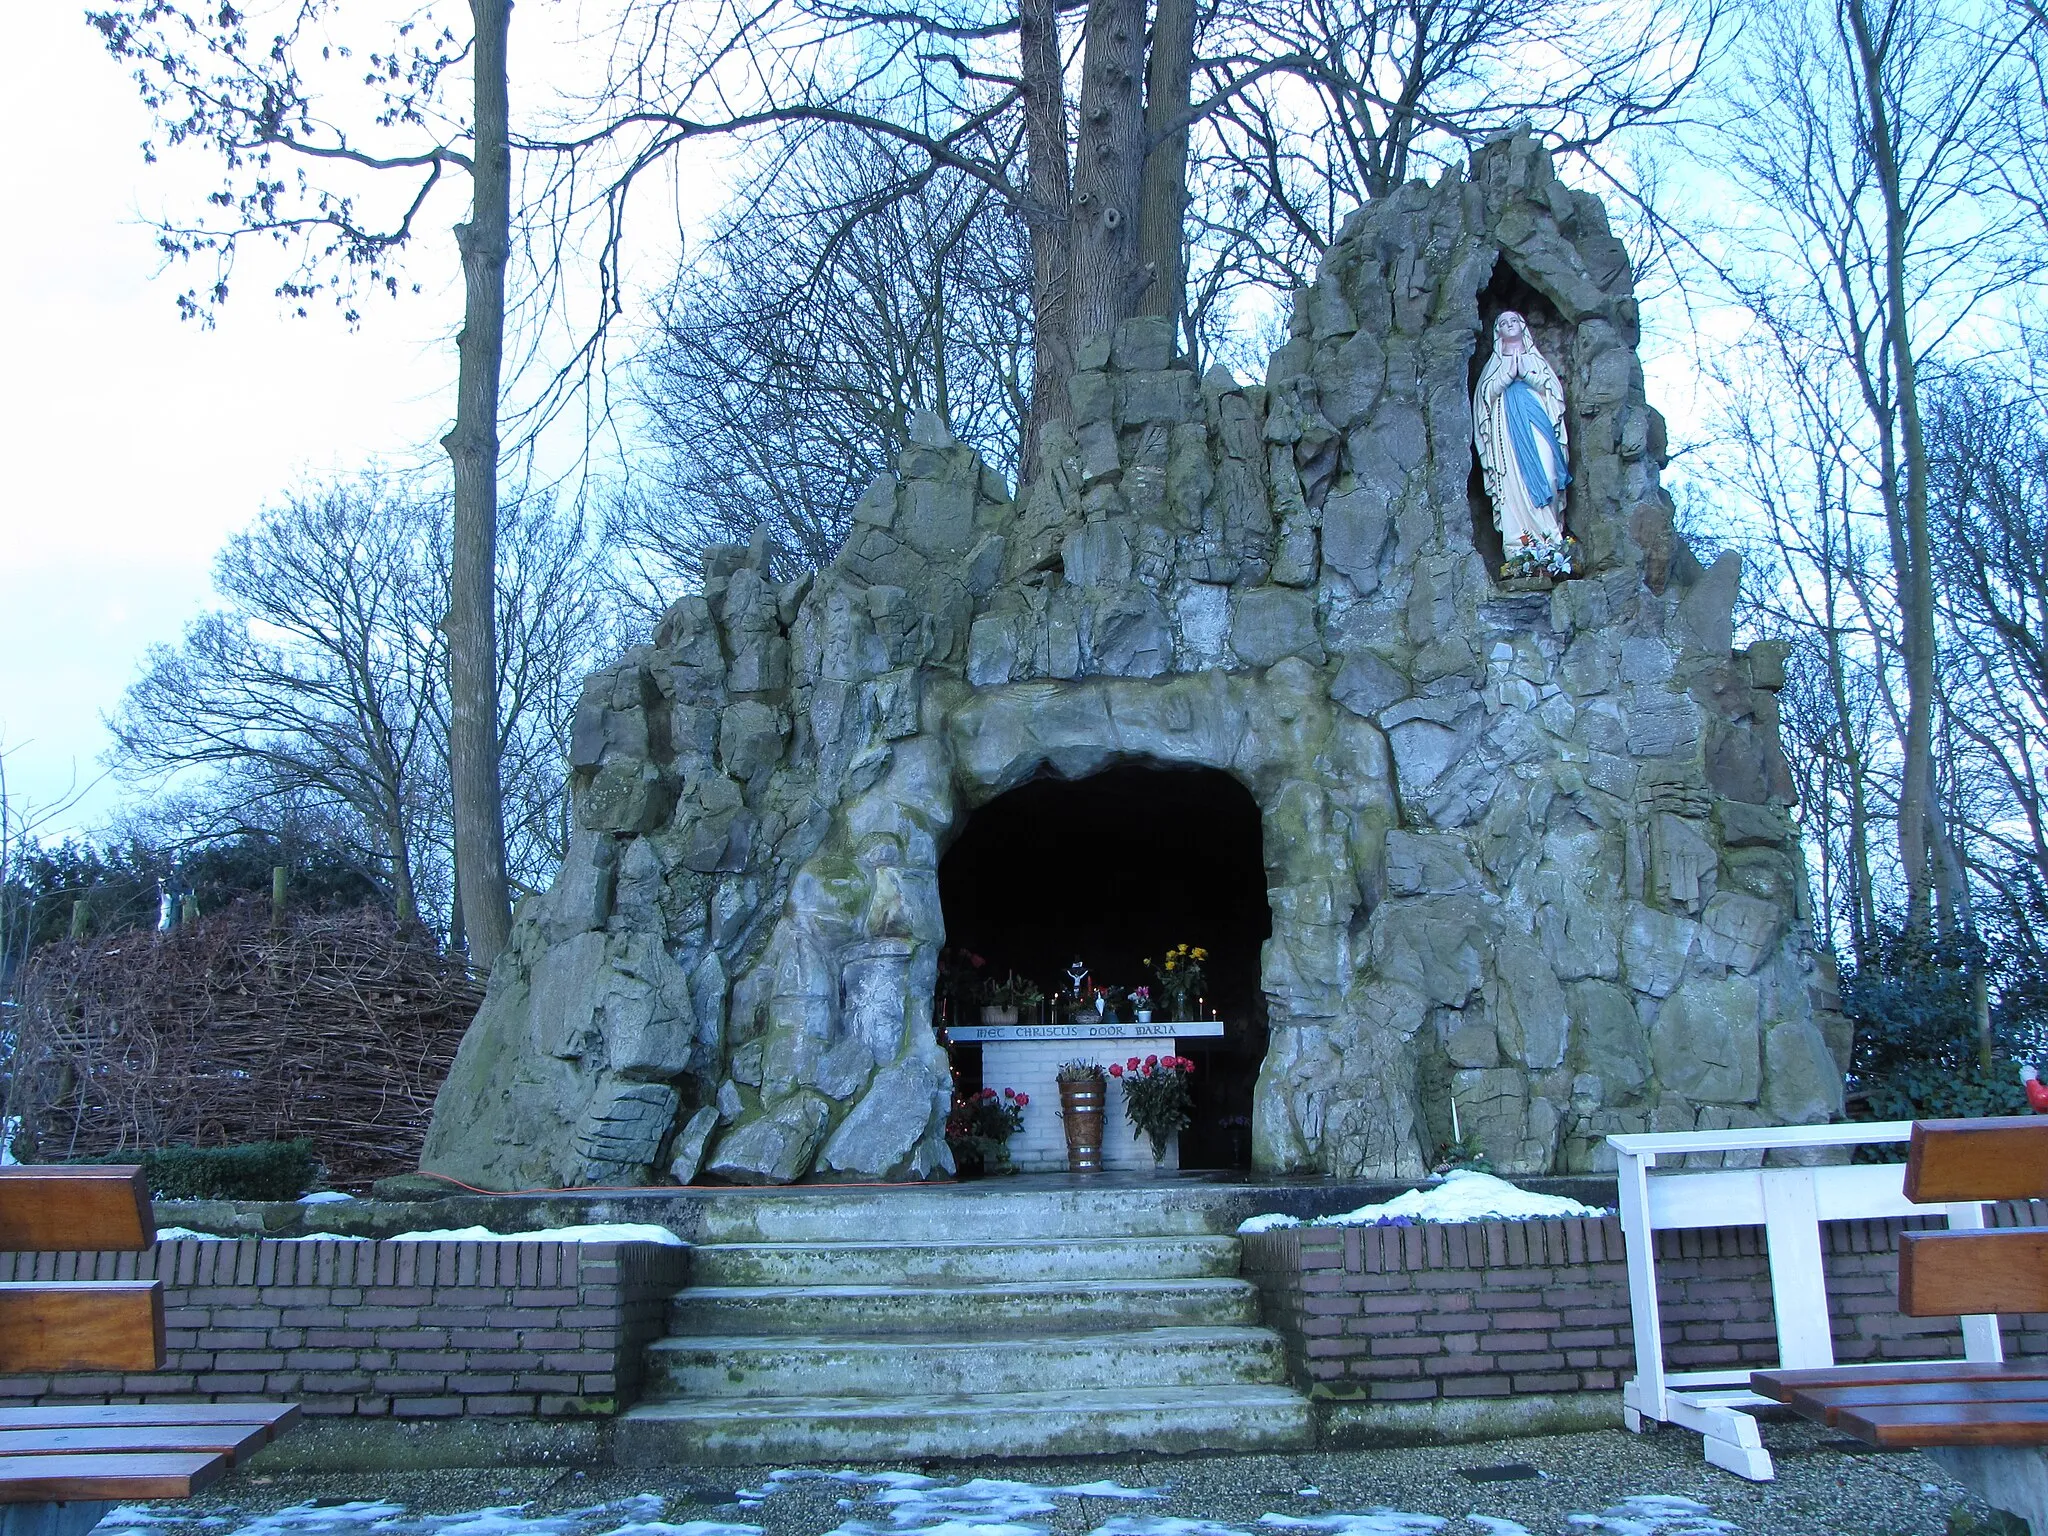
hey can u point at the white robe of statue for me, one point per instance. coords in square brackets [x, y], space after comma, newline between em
[1521, 508]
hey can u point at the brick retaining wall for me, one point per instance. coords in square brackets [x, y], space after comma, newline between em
[1505, 1308]
[414, 1330]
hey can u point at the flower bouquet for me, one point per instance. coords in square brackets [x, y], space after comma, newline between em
[1558, 557]
[1141, 1004]
[1156, 1098]
[1181, 977]
[980, 1127]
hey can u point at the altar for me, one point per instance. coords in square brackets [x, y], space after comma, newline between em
[1027, 1057]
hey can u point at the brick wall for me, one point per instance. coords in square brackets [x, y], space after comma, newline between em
[413, 1330]
[1498, 1308]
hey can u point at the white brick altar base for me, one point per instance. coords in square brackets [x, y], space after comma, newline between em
[1027, 1057]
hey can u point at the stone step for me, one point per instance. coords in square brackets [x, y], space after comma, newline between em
[756, 1431]
[705, 1368]
[929, 1263]
[1166, 1208]
[1064, 1307]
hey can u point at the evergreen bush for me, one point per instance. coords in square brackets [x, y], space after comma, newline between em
[261, 1170]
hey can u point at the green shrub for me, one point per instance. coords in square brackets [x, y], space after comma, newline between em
[262, 1170]
[1916, 1053]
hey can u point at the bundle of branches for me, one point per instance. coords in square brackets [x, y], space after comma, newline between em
[337, 1027]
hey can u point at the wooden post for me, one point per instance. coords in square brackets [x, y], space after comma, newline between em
[81, 915]
[277, 882]
[188, 916]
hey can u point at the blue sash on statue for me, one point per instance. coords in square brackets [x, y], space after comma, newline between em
[1529, 425]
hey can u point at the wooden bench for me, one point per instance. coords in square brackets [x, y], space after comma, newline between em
[62, 1468]
[1986, 1423]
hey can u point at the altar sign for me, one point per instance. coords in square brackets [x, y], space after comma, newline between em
[975, 1034]
[1027, 1057]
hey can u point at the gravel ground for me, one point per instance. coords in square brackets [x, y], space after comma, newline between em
[1587, 1485]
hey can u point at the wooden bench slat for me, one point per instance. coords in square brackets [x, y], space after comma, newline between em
[1827, 1403]
[167, 1475]
[232, 1440]
[1780, 1385]
[96, 1325]
[1998, 1159]
[1902, 1427]
[78, 1210]
[1952, 1274]
[273, 1418]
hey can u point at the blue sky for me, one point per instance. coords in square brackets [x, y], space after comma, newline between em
[135, 442]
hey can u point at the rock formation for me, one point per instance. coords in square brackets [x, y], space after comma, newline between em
[1526, 845]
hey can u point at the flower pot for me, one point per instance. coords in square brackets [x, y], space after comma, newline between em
[1144, 1015]
[998, 1013]
[1081, 1114]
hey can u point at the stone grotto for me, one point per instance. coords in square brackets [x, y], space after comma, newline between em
[1527, 843]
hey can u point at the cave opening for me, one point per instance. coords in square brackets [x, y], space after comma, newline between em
[1115, 869]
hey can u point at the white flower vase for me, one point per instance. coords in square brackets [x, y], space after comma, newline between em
[1144, 1015]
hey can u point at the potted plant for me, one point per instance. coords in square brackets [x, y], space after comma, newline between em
[1156, 1098]
[980, 1127]
[1010, 999]
[1141, 1003]
[1083, 1089]
[1181, 977]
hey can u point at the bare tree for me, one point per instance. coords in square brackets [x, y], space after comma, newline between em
[308, 167]
[318, 688]
[793, 353]
[1865, 134]
[317, 672]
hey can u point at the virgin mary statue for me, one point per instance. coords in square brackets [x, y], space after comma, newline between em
[1518, 428]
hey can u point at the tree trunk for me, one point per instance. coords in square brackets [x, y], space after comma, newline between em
[473, 449]
[1916, 573]
[1109, 169]
[1049, 217]
[1163, 210]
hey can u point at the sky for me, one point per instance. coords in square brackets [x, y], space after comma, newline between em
[135, 442]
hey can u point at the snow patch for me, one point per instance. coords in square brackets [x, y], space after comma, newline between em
[597, 1232]
[634, 1516]
[1464, 1195]
[1654, 1514]
[600, 1232]
[324, 1197]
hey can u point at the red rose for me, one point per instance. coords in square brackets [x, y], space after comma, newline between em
[1134, 1063]
[1023, 1099]
[1009, 1093]
[1151, 1061]
[1116, 1071]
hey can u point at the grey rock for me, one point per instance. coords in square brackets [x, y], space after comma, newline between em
[1705, 1042]
[1738, 930]
[904, 1106]
[1802, 1080]
[1655, 949]
[1143, 344]
[622, 1131]
[1609, 1037]
[1272, 623]
[1365, 685]
[777, 1147]
[686, 1157]
[749, 738]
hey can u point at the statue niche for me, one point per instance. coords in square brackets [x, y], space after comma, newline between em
[1520, 480]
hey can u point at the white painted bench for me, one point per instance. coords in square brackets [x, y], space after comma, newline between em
[1789, 1204]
